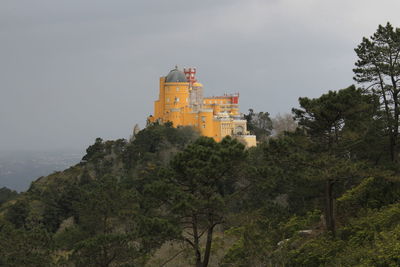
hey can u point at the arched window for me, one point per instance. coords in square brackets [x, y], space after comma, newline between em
[239, 130]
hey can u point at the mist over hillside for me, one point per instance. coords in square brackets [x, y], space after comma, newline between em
[19, 168]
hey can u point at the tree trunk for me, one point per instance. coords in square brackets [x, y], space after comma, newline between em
[396, 125]
[329, 212]
[208, 246]
[393, 62]
[196, 246]
[389, 120]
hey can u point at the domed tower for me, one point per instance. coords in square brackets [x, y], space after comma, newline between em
[174, 98]
[176, 76]
[176, 88]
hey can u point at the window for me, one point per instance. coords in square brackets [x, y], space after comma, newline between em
[167, 99]
[177, 89]
[204, 126]
[187, 100]
[239, 130]
[176, 99]
[203, 118]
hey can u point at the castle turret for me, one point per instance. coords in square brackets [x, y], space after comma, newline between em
[181, 102]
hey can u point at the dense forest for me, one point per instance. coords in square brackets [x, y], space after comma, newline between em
[321, 189]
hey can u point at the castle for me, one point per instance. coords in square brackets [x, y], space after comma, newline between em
[181, 102]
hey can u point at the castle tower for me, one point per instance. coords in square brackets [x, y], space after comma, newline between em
[181, 102]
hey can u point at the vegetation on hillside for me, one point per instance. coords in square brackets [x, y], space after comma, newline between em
[7, 194]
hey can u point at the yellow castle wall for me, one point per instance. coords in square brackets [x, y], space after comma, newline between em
[176, 95]
[205, 123]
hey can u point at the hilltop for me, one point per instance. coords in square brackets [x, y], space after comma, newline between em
[124, 202]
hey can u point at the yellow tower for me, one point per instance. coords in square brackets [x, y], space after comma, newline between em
[181, 102]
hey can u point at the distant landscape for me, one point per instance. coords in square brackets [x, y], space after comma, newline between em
[19, 168]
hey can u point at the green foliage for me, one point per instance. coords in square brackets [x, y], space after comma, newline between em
[110, 227]
[316, 252]
[297, 223]
[302, 173]
[150, 143]
[341, 122]
[378, 67]
[371, 193]
[24, 247]
[18, 213]
[259, 124]
[197, 187]
[94, 151]
[107, 250]
[59, 203]
[7, 194]
[236, 255]
[371, 222]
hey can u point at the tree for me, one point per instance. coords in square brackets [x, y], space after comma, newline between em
[378, 67]
[111, 227]
[94, 151]
[18, 213]
[336, 123]
[340, 121]
[7, 194]
[259, 124]
[24, 246]
[155, 138]
[197, 187]
[283, 123]
[331, 171]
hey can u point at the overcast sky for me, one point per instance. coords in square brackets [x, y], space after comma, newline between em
[74, 70]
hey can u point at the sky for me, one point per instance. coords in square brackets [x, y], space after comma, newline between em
[74, 70]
